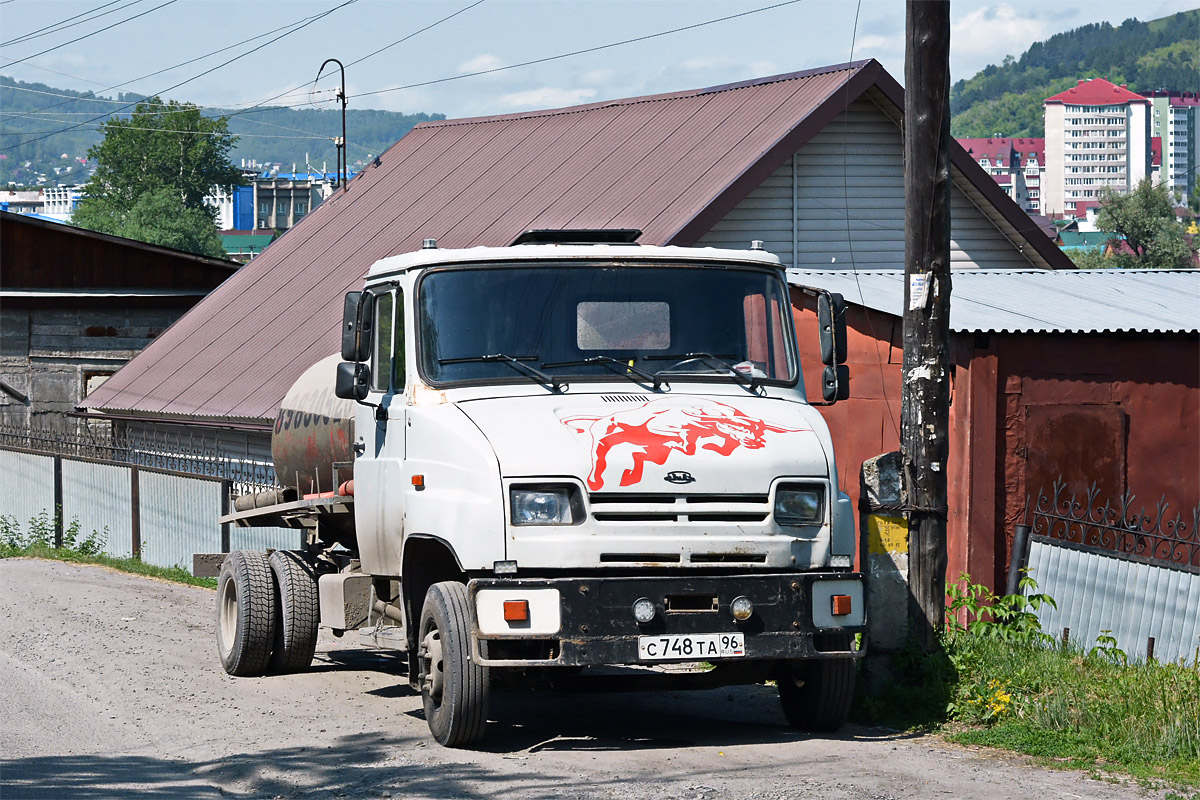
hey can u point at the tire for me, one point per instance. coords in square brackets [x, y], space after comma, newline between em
[246, 600]
[298, 612]
[816, 694]
[454, 690]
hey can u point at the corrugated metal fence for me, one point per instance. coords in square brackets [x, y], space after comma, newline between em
[1144, 607]
[1131, 573]
[163, 515]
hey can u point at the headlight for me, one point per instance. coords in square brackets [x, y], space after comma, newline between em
[799, 505]
[541, 507]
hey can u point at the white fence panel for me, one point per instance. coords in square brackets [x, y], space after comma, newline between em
[99, 496]
[178, 517]
[26, 486]
[1134, 601]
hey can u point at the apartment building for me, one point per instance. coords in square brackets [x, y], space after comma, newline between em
[1016, 164]
[1097, 136]
[1175, 117]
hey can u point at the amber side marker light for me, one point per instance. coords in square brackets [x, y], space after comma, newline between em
[516, 610]
[841, 605]
[418, 481]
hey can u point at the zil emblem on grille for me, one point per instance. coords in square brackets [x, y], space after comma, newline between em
[679, 476]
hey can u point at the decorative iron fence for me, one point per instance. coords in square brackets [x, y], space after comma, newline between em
[1133, 574]
[1115, 528]
[158, 498]
[190, 454]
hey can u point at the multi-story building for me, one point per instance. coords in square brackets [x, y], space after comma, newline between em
[1016, 164]
[1097, 136]
[1175, 117]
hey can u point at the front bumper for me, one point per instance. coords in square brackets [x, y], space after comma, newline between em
[595, 624]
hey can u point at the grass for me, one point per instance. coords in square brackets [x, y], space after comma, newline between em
[37, 541]
[999, 681]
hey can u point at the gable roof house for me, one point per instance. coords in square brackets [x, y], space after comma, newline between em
[809, 162]
[75, 305]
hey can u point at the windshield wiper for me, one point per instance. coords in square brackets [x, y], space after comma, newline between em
[514, 362]
[708, 358]
[612, 363]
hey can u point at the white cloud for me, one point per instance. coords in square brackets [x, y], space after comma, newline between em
[480, 63]
[987, 34]
[546, 97]
[598, 77]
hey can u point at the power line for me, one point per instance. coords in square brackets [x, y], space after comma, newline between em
[208, 133]
[415, 33]
[59, 26]
[93, 33]
[189, 80]
[254, 107]
[579, 52]
[122, 102]
[185, 63]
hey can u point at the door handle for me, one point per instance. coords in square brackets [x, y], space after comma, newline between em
[359, 447]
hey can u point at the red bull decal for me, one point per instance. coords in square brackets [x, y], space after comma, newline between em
[653, 431]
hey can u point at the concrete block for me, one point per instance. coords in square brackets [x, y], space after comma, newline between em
[207, 565]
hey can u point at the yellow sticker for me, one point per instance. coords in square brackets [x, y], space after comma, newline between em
[886, 534]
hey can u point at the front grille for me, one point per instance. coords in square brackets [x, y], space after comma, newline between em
[668, 508]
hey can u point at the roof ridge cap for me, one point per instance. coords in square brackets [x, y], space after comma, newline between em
[650, 98]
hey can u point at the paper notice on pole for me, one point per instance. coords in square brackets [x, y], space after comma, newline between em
[918, 290]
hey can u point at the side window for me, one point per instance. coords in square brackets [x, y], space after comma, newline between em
[398, 375]
[381, 372]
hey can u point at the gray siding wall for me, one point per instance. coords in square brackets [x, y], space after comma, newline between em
[839, 202]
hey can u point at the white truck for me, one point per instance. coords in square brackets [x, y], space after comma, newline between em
[573, 459]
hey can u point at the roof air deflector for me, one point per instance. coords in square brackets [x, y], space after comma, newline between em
[579, 236]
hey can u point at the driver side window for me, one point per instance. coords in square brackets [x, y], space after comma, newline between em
[381, 369]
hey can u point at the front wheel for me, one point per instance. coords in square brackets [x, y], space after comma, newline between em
[816, 695]
[454, 689]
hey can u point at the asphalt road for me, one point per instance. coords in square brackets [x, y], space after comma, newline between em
[112, 688]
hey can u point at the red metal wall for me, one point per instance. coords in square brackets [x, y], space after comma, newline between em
[1121, 410]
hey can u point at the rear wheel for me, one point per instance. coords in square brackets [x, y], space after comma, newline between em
[298, 612]
[454, 690]
[246, 600]
[816, 694]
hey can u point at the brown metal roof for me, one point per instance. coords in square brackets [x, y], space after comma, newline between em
[669, 164]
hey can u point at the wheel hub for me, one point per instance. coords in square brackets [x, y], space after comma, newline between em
[431, 656]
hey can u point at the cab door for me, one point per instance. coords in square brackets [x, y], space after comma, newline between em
[378, 486]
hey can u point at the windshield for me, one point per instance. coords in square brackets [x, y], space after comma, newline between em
[678, 322]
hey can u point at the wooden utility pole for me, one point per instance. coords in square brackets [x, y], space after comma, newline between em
[925, 400]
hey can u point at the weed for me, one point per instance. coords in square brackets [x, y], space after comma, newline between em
[38, 542]
[1005, 683]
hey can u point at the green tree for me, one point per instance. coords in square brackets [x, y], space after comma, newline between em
[162, 161]
[1145, 219]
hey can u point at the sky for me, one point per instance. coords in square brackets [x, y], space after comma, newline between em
[479, 36]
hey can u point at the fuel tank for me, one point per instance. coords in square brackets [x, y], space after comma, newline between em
[314, 431]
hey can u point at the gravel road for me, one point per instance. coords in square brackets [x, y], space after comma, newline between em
[112, 688]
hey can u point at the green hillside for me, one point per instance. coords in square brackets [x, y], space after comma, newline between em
[269, 135]
[1007, 99]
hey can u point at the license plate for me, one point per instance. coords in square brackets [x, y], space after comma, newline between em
[697, 646]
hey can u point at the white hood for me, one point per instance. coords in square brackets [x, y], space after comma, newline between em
[637, 443]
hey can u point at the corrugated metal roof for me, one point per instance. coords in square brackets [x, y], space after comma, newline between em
[1037, 301]
[670, 165]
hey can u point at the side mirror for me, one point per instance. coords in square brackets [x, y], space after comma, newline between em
[831, 318]
[353, 381]
[358, 322]
[835, 383]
